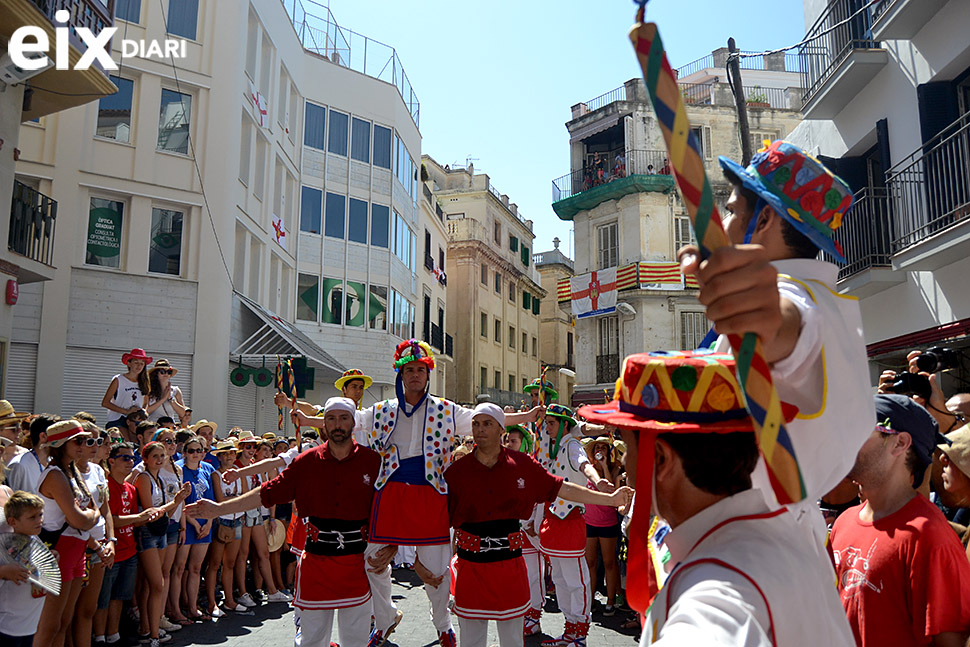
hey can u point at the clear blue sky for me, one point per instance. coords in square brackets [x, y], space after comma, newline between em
[496, 79]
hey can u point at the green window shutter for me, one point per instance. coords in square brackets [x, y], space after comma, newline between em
[525, 256]
[513, 243]
[535, 306]
[526, 300]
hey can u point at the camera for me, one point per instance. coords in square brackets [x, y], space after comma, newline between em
[937, 359]
[911, 384]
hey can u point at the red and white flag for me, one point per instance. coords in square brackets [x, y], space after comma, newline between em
[594, 293]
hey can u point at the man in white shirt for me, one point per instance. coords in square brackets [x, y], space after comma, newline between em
[25, 469]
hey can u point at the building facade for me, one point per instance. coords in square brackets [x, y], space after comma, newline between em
[887, 106]
[495, 289]
[255, 200]
[557, 338]
[628, 217]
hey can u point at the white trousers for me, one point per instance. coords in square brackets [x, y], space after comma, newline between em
[316, 626]
[535, 565]
[573, 592]
[436, 559]
[474, 633]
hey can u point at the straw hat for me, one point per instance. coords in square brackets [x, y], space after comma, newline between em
[275, 534]
[8, 416]
[247, 436]
[958, 451]
[164, 363]
[204, 423]
[224, 446]
[63, 431]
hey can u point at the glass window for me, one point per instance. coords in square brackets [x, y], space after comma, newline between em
[525, 343]
[382, 146]
[498, 379]
[105, 220]
[483, 325]
[165, 247]
[483, 377]
[245, 149]
[357, 222]
[512, 337]
[308, 297]
[511, 292]
[183, 18]
[173, 122]
[608, 245]
[129, 10]
[498, 331]
[377, 308]
[336, 208]
[311, 206]
[314, 118]
[114, 112]
[498, 283]
[337, 143]
[484, 274]
[360, 143]
[333, 299]
[380, 216]
[354, 304]
[511, 381]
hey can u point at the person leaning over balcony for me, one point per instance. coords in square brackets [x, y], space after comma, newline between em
[783, 208]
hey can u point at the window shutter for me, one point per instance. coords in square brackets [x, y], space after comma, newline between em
[525, 256]
[526, 300]
[535, 306]
[513, 243]
[708, 151]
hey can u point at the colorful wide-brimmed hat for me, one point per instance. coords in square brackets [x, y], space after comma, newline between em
[63, 431]
[353, 374]
[8, 416]
[413, 350]
[136, 353]
[800, 189]
[677, 391]
[563, 413]
[545, 385]
[527, 440]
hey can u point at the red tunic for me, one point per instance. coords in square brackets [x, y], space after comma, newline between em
[510, 489]
[323, 486]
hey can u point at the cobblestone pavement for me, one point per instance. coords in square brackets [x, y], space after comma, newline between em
[271, 625]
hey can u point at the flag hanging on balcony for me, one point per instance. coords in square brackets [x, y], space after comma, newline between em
[594, 293]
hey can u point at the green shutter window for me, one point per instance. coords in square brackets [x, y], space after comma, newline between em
[526, 300]
[525, 256]
[535, 306]
[513, 243]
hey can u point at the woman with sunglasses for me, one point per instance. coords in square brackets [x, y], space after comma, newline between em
[152, 538]
[164, 398]
[198, 532]
[172, 568]
[100, 539]
[67, 505]
[225, 547]
[118, 586]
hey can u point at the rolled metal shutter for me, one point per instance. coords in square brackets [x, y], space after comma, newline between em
[21, 376]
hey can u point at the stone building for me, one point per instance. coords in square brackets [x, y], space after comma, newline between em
[557, 338]
[494, 287]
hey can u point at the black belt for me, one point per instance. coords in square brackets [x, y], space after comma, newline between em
[490, 541]
[333, 537]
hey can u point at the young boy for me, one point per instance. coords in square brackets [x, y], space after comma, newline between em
[20, 602]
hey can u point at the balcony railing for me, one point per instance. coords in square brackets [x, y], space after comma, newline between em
[32, 219]
[319, 33]
[607, 368]
[92, 14]
[437, 338]
[611, 166]
[866, 235]
[749, 61]
[930, 189]
[503, 398]
[449, 345]
[840, 29]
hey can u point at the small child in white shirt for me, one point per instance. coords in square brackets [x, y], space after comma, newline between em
[20, 601]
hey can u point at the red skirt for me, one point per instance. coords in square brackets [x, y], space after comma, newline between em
[296, 535]
[409, 515]
[563, 537]
[493, 591]
[328, 582]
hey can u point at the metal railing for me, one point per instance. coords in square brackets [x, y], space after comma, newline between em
[613, 166]
[502, 397]
[757, 96]
[437, 338]
[607, 368]
[698, 94]
[866, 234]
[505, 202]
[748, 61]
[930, 189]
[449, 345]
[605, 99]
[825, 50]
[320, 34]
[91, 14]
[33, 216]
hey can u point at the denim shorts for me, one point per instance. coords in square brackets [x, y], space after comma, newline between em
[172, 537]
[146, 540]
[235, 524]
[119, 582]
[252, 518]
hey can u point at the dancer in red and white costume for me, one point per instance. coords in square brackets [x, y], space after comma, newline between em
[488, 493]
[333, 486]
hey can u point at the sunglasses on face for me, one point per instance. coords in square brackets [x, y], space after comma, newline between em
[91, 442]
[128, 458]
[115, 440]
[194, 451]
[78, 441]
[164, 371]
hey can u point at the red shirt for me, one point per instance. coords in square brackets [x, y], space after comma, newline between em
[510, 489]
[903, 578]
[326, 487]
[122, 498]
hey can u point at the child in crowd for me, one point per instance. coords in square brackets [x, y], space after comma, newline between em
[20, 602]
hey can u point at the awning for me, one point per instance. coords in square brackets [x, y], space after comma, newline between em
[594, 127]
[278, 337]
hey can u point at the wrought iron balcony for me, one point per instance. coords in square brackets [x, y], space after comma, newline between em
[607, 368]
[437, 338]
[449, 345]
[614, 165]
[930, 189]
[867, 233]
[32, 219]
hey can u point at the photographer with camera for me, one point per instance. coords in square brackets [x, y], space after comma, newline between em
[922, 383]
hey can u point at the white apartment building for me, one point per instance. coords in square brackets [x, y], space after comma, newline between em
[887, 106]
[257, 199]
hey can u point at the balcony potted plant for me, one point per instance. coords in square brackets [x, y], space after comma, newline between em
[757, 98]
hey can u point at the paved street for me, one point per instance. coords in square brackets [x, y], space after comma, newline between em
[272, 625]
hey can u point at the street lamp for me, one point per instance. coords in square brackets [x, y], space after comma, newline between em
[628, 312]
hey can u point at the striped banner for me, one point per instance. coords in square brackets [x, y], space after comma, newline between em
[663, 275]
[626, 277]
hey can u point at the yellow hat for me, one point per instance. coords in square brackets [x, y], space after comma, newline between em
[353, 374]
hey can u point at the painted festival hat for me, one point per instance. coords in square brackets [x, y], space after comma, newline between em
[413, 350]
[563, 413]
[537, 384]
[353, 374]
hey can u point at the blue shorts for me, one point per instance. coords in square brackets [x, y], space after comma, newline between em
[191, 537]
[119, 582]
[146, 540]
[172, 536]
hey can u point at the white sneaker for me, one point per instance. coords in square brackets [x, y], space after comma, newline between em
[167, 625]
[279, 596]
[239, 608]
[217, 613]
[246, 600]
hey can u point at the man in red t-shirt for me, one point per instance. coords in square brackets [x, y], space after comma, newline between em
[488, 493]
[902, 572]
[333, 487]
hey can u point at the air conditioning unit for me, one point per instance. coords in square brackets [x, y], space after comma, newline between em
[11, 73]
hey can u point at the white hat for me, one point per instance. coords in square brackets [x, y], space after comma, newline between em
[492, 410]
[340, 404]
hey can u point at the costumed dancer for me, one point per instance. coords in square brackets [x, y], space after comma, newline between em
[414, 434]
[351, 384]
[331, 578]
[489, 493]
[740, 572]
[562, 533]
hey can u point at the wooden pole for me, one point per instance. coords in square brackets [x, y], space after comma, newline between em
[740, 102]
